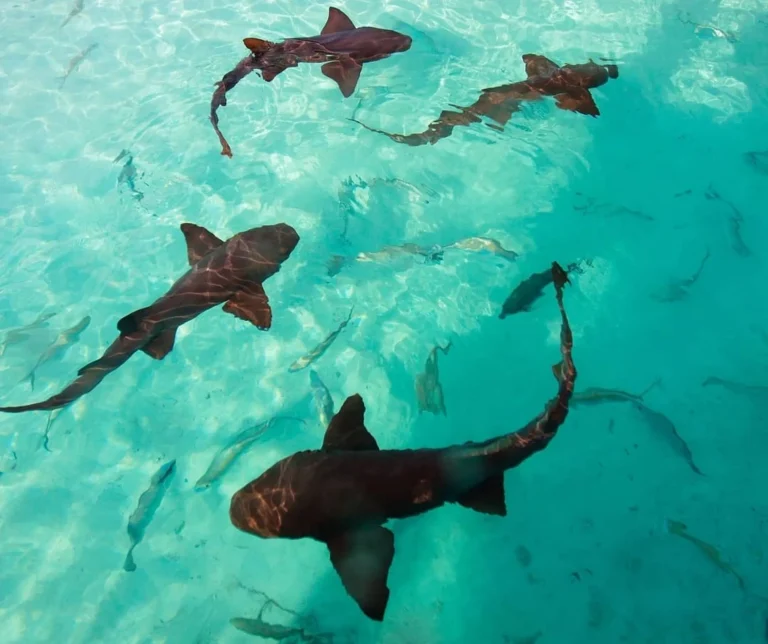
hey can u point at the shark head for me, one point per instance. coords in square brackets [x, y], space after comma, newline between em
[589, 74]
[276, 242]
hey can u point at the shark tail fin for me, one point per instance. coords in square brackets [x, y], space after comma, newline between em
[486, 497]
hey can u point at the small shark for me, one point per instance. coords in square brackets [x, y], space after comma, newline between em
[529, 290]
[75, 63]
[148, 504]
[569, 85]
[341, 47]
[343, 493]
[429, 391]
[320, 349]
[229, 273]
[65, 340]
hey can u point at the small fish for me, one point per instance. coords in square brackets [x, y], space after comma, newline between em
[529, 290]
[429, 391]
[677, 290]
[684, 193]
[432, 254]
[19, 334]
[656, 420]
[58, 347]
[592, 206]
[75, 63]
[734, 223]
[666, 429]
[758, 160]
[320, 349]
[128, 175]
[228, 454]
[681, 530]
[599, 395]
[323, 400]
[486, 244]
[148, 504]
[8, 459]
[759, 391]
[76, 9]
[52, 416]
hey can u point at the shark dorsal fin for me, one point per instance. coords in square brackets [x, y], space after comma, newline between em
[337, 21]
[200, 242]
[536, 65]
[347, 431]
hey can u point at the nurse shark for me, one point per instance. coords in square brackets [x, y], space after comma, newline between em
[343, 493]
[229, 273]
[340, 46]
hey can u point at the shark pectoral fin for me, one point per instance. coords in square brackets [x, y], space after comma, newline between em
[487, 497]
[362, 558]
[200, 242]
[346, 72]
[130, 323]
[577, 100]
[337, 21]
[161, 345]
[347, 431]
[251, 304]
[257, 45]
[539, 65]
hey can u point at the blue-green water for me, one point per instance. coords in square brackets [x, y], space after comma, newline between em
[583, 555]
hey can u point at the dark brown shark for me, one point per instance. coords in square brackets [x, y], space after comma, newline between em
[229, 273]
[341, 47]
[342, 494]
[529, 290]
[569, 85]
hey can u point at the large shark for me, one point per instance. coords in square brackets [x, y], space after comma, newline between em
[569, 85]
[229, 273]
[343, 493]
[341, 47]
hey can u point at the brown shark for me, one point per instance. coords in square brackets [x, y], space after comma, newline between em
[341, 47]
[343, 493]
[229, 273]
[569, 85]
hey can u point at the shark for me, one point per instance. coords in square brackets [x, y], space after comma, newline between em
[229, 272]
[569, 85]
[341, 47]
[343, 494]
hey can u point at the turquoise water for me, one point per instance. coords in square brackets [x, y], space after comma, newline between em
[584, 555]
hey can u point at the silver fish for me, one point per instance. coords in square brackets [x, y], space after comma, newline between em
[323, 399]
[484, 243]
[8, 458]
[76, 9]
[75, 63]
[58, 347]
[19, 334]
[148, 504]
[677, 290]
[227, 455]
[320, 349]
[429, 391]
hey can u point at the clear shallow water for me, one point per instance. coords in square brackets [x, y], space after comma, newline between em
[680, 117]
